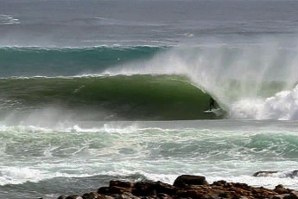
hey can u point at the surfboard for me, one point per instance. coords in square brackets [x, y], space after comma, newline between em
[216, 111]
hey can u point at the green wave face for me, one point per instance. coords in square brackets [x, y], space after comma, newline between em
[139, 97]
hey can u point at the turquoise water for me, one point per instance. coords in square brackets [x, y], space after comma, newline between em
[36, 61]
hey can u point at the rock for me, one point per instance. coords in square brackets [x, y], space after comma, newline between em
[277, 197]
[187, 180]
[241, 185]
[165, 188]
[295, 192]
[264, 173]
[126, 196]
[61, 197]
[186, 187]
[280, 189]
[108, 197]
[292, 174]
[163, 196]
[144, 188]
[149, 188]
[104, 190]
[74, 197]
[292, 195]
[189, 194]
[118, 183]
[93, 195]
[223, 195]
[220, 183]
[120, 187]
[119, 190]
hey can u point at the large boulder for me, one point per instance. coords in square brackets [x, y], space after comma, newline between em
[188, 180]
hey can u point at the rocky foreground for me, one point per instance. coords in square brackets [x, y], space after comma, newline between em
[185, 186]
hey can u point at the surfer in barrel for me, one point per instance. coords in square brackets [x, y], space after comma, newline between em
[212, 104]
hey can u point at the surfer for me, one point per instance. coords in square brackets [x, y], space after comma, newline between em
[211, 104]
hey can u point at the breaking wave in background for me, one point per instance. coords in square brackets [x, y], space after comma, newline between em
[156, 83]
[7, 20]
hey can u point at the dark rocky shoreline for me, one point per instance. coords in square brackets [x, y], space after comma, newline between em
[185, 186]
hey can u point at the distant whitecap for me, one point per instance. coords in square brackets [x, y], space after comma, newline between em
[7, 19]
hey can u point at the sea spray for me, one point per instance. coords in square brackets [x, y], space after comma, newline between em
[231, 73]
[282, 106]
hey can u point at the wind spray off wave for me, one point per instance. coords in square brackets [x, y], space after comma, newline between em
[237, 75]
[282, 106]
[240, 77]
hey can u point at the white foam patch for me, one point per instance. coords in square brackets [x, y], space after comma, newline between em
[108, 128]
[69, 127]
[18, 175]
[281, 106]
[269, 182]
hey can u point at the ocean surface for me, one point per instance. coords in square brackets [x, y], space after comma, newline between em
[92, 91]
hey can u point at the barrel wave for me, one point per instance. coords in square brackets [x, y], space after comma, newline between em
[137, 97]
[151, 82]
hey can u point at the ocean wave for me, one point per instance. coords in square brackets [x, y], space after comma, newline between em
[8, 19]
[135, 97]
[245, 80]
[37, 61]
[138, 97]
[282, 106]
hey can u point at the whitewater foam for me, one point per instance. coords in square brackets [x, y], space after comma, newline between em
[8, 19]
[282, 106]
[150, 150]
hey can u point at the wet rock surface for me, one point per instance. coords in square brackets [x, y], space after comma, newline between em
[185, 186]
[285, 174]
